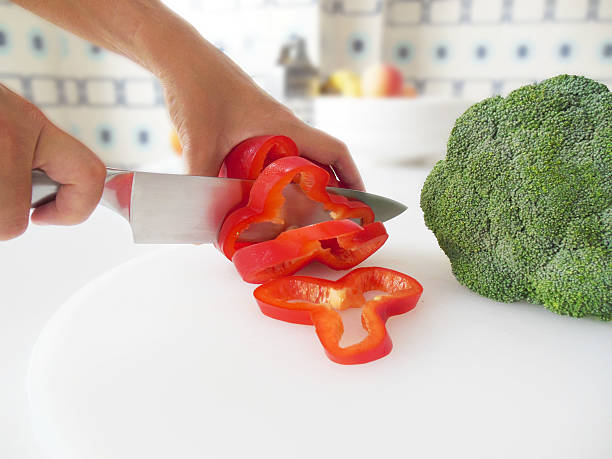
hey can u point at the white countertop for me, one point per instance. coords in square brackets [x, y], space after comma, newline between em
[42, 269]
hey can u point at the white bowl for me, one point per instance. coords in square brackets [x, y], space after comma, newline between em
[392, 129]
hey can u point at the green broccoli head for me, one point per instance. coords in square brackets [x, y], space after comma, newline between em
[522, 203]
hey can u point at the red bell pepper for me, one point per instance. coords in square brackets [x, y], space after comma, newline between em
[250, 157]
[339, 244]
[333, 180]
[266, 203]
[312, 301]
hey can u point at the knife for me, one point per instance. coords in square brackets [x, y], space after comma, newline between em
[188, 209]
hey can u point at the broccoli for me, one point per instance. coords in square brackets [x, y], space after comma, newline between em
[522, 203]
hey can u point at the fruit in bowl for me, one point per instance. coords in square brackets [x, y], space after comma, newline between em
[343, 82]
[382, 80]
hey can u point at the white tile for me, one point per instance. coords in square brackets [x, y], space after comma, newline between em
[140, 92]
[100, 92]
[571, 9]
[408, 12]
[71, 91]
[486, 11]
[445, 12]
[528, 10]
[605, 9]
[44, 91]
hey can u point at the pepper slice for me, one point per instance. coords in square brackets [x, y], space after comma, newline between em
[312, 301]
[266, 201]
[339, 244]
[250, 157]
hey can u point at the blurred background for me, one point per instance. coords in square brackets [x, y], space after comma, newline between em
[387, 77]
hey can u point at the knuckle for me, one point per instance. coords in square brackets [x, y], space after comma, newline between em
[339, 152]
[92, 174]
[341, 148]
[96, 171]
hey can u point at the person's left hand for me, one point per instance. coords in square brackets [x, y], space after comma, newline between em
[214, 106]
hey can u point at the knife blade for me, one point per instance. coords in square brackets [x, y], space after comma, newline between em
[188, 209]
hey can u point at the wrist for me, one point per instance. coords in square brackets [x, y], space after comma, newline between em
[165, 43]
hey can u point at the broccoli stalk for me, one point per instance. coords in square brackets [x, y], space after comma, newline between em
[522, 203]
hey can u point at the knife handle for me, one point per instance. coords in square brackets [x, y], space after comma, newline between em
[44, 188]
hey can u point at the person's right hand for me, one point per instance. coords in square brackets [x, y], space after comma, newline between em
[29, 141]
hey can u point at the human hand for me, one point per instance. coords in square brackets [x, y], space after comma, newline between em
[214, 106]
[29, 141]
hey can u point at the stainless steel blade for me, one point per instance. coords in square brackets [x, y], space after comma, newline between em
[179, 209]
[384, 208]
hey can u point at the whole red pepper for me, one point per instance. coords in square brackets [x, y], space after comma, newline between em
[339, 244]
[266, 203]
[312, 301]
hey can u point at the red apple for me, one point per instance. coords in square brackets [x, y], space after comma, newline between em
[382, 80]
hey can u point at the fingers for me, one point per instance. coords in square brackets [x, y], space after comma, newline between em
[29, 141]
[231, 116]
[81, 173]
[15, 177]
[321, 147]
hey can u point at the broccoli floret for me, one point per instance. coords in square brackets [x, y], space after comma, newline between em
[522, 203]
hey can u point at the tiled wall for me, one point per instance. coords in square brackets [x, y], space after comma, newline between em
[109, 103]
[470, 48]
[456, 48]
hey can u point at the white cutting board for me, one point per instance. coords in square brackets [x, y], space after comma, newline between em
[168, 356]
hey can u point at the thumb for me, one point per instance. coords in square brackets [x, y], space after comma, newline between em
[78, 170]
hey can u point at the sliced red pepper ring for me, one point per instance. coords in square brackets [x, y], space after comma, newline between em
[250, 157]
[333, 179]
[339, 244]
[312, 301]
[266, 204]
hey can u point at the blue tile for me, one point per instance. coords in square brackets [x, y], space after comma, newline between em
[105, 136]
[38, 43]
[403, 52]
[358, 45]
[5, 40]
